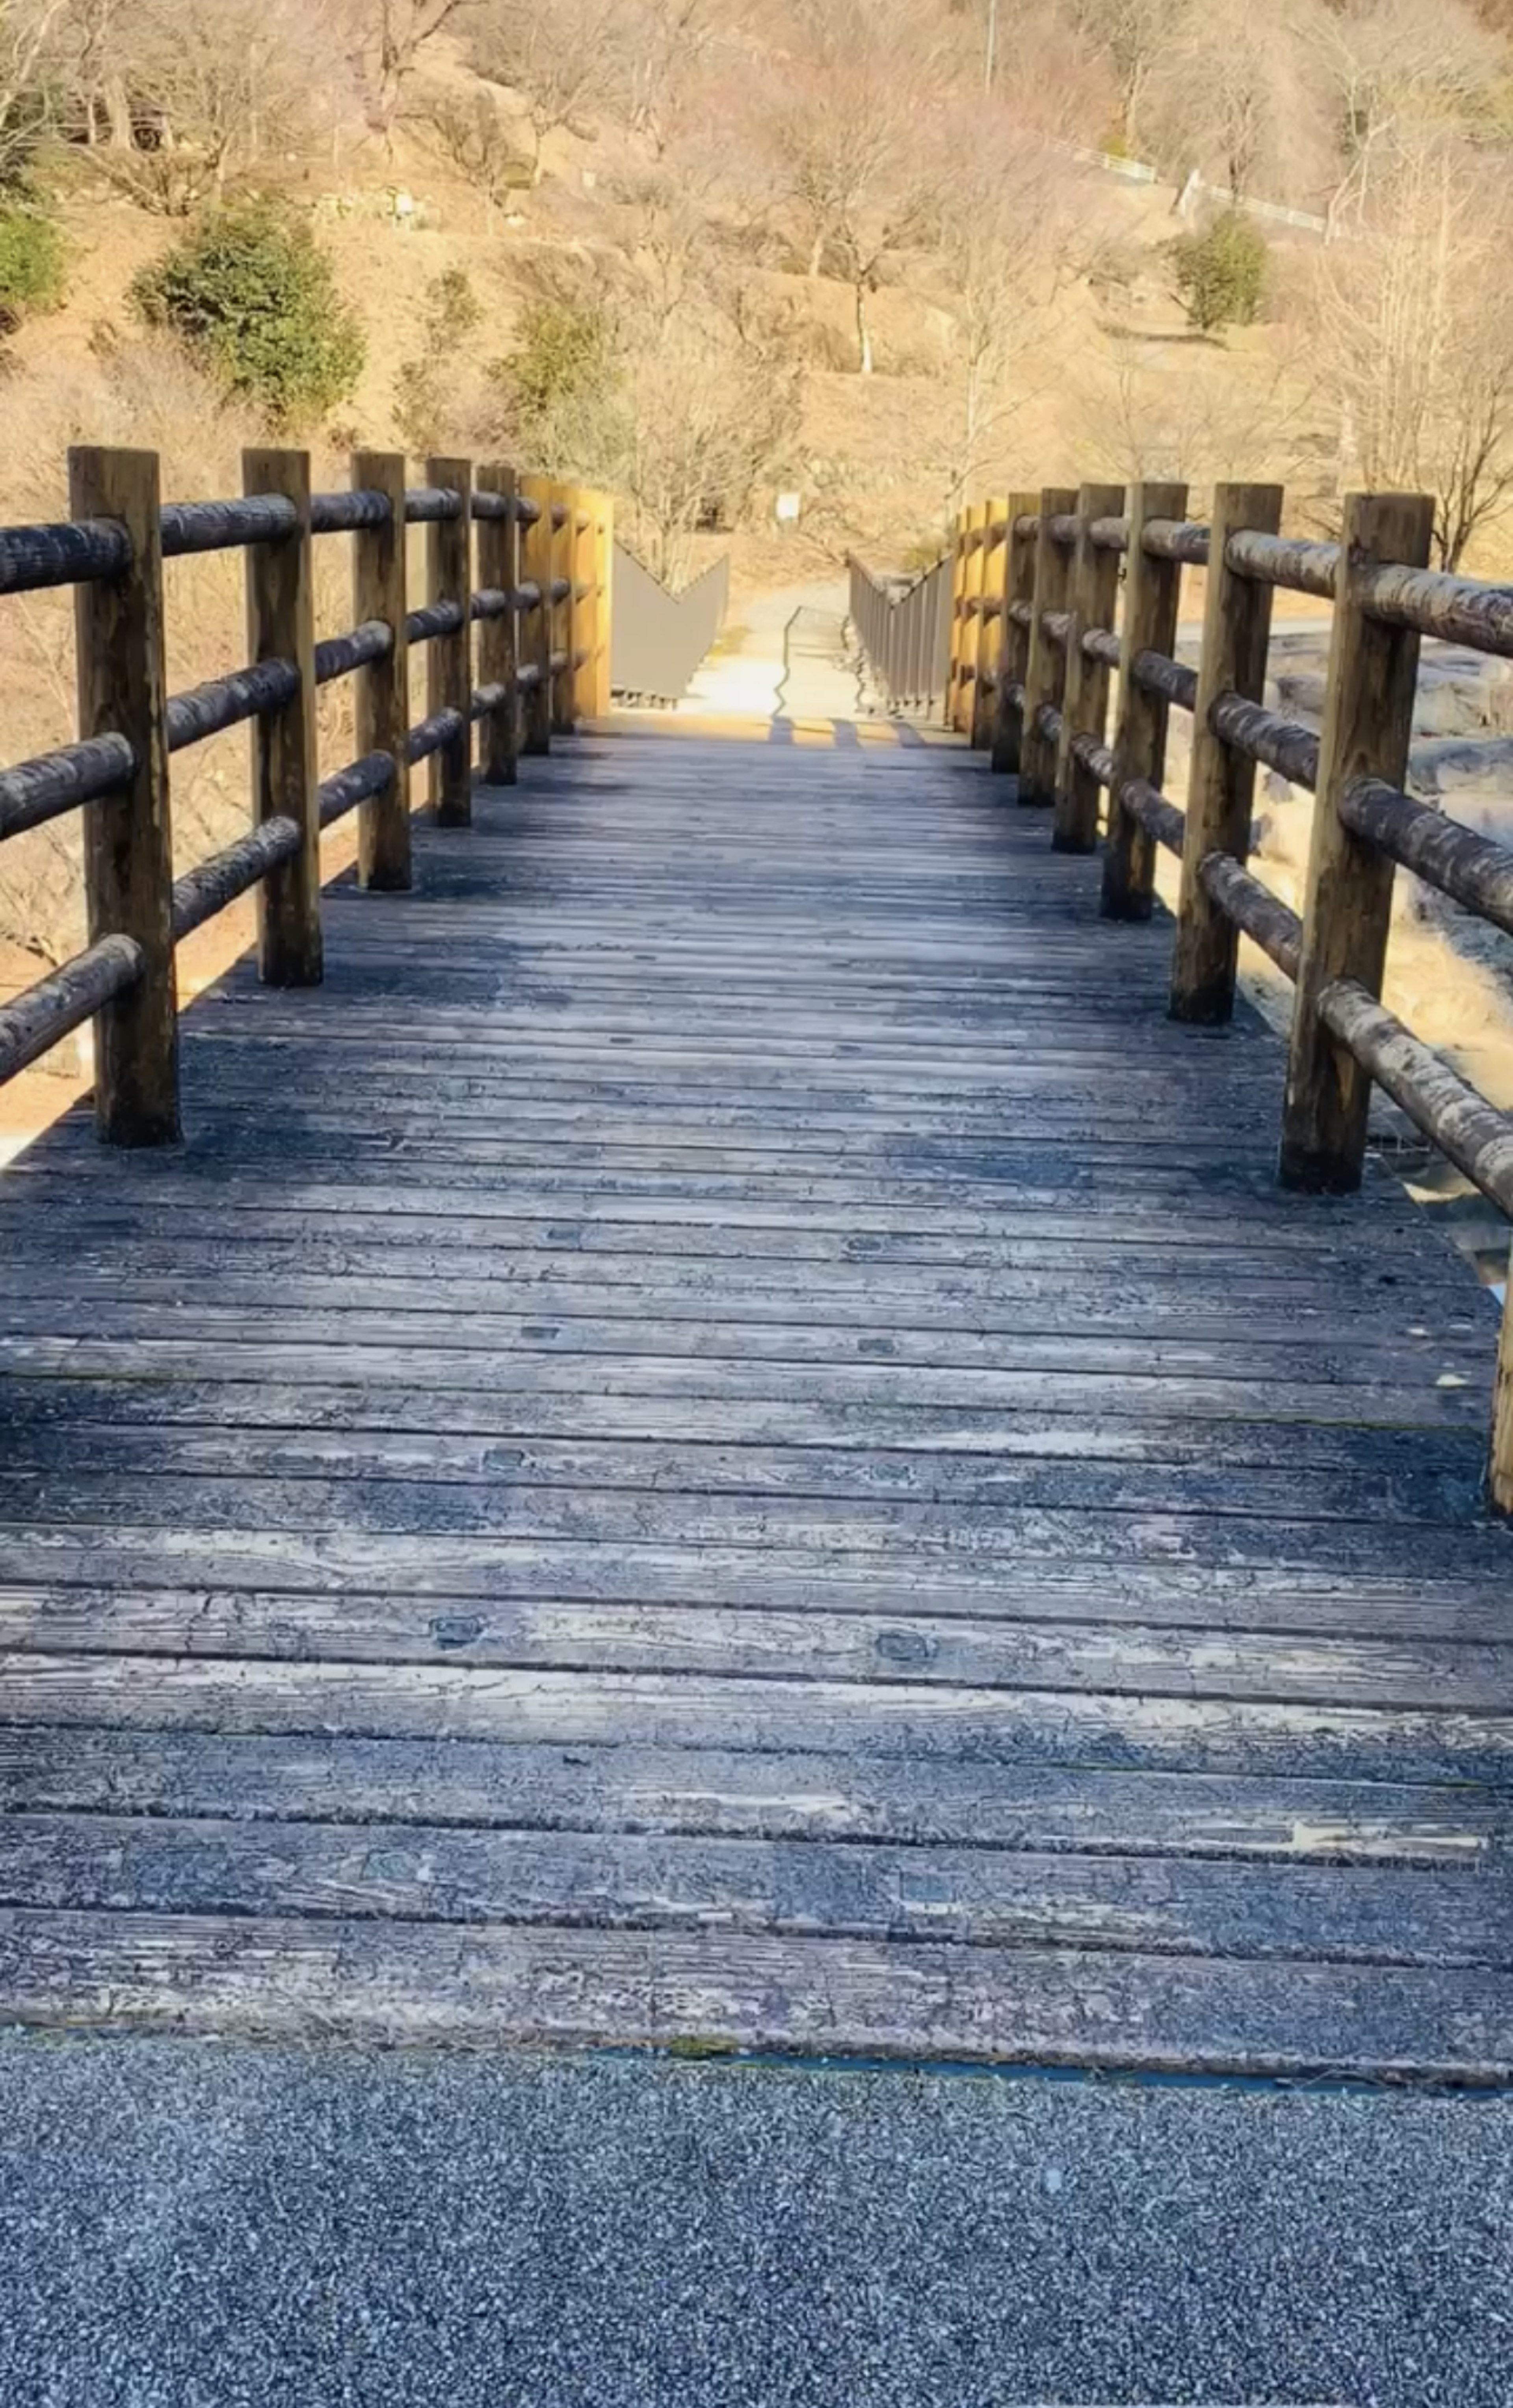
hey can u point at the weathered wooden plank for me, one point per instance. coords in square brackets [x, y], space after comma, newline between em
[717, 1793]
[751, 1643]
[883, 1719]
[543, 1366]
[64, 1472]
[407, 1983]
[1048, 1342]
[1378, 1319]
[973, 1898]
[1304, 1597]
[969, 1433]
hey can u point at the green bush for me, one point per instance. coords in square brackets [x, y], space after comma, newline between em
[426, 387]
[252, 294]
[31, 265]
[564, 355]
[1222, 272]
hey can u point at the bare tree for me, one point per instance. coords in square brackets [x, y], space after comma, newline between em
[668, 45]
[216, 92]
[1135, 36]
[565, 61]
[386, 42]
[1237, 96]
[473, 133]
[852, 142]
[1396, 63]
[95, 41]
[1413, 334]
[28, 31]
[1007, 254]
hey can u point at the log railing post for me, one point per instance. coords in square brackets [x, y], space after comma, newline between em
[128, 836]
[1368, 721]
[975, 542]
[497, 561]
[604, 572]
[380, 590]
[1045, 666]
[989, 630]
[1014, 650]
[586, 608]
[1500, 1470]
[449, 552]
[1237, 630]
[958, 574]
[561, 611]
[1094, 603]
[281, 626]
[1152, 596]
[535, 549]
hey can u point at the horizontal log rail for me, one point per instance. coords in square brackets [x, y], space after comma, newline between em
[32, 1023]
[542, 648]
[1281, 744]
[1160, 818]
[1473, 1133]
[36, 791]
[1472, 870]
[1263, 915]
[1033, 646]
[211, 885]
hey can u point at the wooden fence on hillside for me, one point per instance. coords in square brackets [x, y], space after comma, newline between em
[1056, 592]
[524, 561]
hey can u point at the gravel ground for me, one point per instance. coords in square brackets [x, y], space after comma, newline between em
[192, 2225]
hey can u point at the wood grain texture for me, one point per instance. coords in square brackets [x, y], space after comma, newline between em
[1152, 604]
[448, 659]
[727, 1436]
[1013, 629]
[128, 833]
[1348, 904]
[381, 695]
[1046, 668]
[1236, 629]
[1093, 597]
[281, 626]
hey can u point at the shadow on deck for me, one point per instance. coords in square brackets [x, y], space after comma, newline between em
[726, 1439]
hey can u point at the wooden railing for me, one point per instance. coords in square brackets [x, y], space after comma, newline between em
[1039, 632]
[516, 571]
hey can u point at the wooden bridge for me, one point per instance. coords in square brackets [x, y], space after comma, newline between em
[724, 1435]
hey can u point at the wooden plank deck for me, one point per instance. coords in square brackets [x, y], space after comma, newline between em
[726, 1439]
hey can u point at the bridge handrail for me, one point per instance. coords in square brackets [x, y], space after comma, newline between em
[1036, 631]
[540, 594]
[903, 627]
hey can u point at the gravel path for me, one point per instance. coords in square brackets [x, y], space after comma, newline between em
[192, 2226]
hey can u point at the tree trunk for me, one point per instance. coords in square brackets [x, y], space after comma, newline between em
[119, 109]
[865, 361]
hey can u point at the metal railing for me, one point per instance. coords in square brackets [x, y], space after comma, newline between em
[903, 624]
